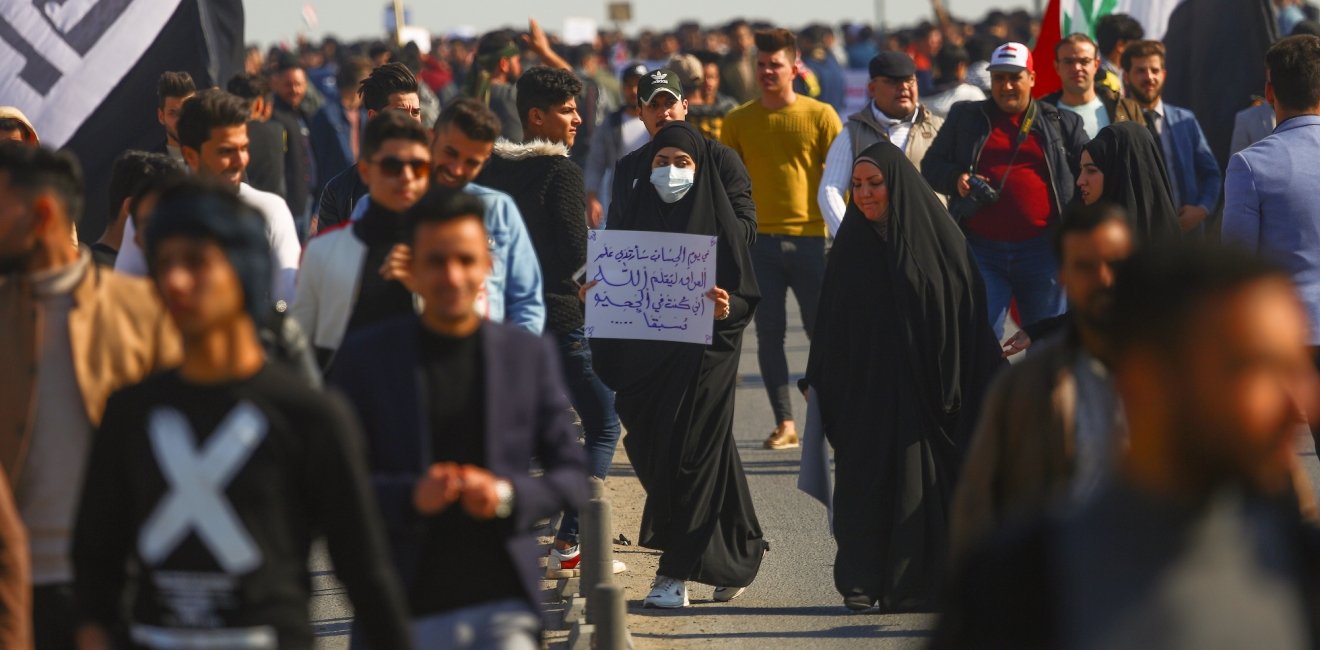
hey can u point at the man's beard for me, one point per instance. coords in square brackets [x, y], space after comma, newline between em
[1098, 319]
[1141, 96]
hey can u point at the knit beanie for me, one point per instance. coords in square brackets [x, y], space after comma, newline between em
[197, 211]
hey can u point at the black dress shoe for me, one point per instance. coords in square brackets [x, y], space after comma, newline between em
[858, 602]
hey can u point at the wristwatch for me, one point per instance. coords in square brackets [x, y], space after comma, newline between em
[504, 491]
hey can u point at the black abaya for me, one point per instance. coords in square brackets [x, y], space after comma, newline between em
[676, 399]
[902, 356]
[1136, 180]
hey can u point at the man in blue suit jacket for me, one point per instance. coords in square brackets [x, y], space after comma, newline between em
[1193, 171]
[455, 410]
[1270, 201]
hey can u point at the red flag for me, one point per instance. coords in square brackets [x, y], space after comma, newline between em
[1047, 79]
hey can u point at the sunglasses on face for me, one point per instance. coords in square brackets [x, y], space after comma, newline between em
[392, 166]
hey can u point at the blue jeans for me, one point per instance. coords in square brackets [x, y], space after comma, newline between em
[1026, 270]
[782, 262]
[500, 625]
[594, 403]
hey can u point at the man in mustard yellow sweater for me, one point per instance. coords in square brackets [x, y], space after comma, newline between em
[783, 139]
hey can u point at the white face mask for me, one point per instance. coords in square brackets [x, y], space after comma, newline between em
[673, 182]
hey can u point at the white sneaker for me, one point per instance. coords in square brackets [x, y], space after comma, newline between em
[563, 564]
[725, 594]
[667, 593]
[567, 564]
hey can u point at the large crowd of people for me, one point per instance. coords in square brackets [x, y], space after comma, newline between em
[345, 300]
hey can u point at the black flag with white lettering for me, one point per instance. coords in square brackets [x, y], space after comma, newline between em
[85, 72]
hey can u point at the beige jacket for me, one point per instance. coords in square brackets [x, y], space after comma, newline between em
[119, 331]
[15, 575]
[865, 131]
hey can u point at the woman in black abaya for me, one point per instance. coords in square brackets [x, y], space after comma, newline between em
[902, 355]
[1123, 165]
[676, 399]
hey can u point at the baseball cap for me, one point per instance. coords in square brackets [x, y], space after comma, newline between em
[663, 80]
[689, 69]
[1010, 57]
[896, 65]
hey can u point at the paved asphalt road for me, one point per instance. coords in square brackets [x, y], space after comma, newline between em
[793, 602]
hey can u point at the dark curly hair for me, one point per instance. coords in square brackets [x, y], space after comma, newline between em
[543, 88]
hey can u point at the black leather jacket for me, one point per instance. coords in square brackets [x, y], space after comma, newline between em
[339, 197]
[957, 147]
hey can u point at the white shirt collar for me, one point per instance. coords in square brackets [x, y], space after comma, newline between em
[1158, 108]
[889, 122]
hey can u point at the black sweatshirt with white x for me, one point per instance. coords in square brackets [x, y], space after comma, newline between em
[201, 502]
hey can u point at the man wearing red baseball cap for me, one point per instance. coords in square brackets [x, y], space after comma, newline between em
[1009, 163]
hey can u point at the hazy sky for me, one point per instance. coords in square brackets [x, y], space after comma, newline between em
[270, 21]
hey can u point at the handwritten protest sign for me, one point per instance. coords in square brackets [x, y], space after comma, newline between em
[650, 286]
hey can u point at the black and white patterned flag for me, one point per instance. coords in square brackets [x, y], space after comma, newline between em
[84, 72]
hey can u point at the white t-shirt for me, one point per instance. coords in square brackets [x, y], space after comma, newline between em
[285, 250]
[1093, 114]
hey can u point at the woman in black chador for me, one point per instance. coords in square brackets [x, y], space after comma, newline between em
[902, 353]
[676, 399]
[1124, 166]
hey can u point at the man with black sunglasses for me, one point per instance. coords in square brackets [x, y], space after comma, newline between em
[389, 87]
[343, 285]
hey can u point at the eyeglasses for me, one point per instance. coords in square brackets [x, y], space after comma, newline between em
[1071, 61]
[392, 166]
[901, 81]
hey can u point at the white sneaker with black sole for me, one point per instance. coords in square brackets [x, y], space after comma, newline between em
[667, 593]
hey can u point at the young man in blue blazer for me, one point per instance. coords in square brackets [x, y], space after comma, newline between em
[455, 409]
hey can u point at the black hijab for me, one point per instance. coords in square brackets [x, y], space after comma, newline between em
[938, 301]
[1136, 180]
[704, 210]
[677, 399]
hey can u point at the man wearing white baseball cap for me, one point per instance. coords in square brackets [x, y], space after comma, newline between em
[1010, 163]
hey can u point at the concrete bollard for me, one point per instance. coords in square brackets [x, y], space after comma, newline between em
[601, 562]
[612, 618]
[588, 526]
